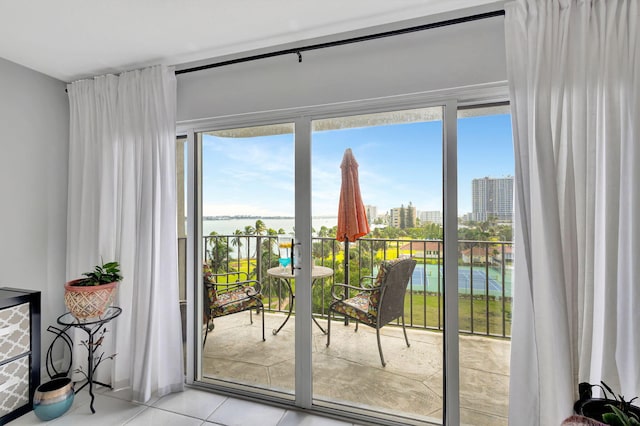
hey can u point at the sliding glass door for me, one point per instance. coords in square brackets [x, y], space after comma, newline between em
[430, 347]
[399, 156]
[246, 212]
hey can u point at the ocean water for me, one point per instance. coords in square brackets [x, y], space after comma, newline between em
[229, 226]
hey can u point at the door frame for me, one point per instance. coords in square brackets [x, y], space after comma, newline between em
[450, 100]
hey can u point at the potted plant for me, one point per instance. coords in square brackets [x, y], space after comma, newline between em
[620, 418]
[89, 297]
[614, 411]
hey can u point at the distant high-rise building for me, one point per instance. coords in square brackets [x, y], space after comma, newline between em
[492, 198]
[372, 213]
[434, 216]
[395, 216]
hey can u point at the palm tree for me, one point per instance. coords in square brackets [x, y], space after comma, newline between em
[261, 228]
[249, 230]
[217, 254]
[324, 231]
[237, 242]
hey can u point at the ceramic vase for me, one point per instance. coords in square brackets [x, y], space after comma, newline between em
[85, 302]
[52, 399]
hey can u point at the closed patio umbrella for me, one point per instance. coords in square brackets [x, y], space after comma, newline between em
[352, 218]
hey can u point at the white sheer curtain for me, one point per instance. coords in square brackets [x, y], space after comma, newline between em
[573, 69]
[122, 206]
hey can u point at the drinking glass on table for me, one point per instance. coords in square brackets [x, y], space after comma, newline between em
[285, 245]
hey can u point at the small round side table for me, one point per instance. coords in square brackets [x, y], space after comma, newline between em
[91, 326]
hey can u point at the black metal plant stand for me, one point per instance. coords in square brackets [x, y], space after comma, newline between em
[92, 327]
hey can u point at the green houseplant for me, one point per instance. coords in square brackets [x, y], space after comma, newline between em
[90, 296]
[620, 418]
[613, 410]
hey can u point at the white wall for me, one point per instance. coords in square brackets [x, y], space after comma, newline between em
[34, 140]
[34, 118]
[448, 57]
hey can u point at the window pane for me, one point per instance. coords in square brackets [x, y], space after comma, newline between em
[399, 156]
[247, 201]
[485, 205]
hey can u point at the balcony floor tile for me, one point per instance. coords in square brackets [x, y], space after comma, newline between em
[410, 384]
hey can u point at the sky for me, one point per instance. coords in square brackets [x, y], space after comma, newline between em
[398, 164]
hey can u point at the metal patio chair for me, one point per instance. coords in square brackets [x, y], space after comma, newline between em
[376, 304]
[230, 293]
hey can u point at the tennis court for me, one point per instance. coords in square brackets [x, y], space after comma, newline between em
[479, 282]
[425, 277]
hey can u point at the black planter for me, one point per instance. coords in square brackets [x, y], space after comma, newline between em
[595, 408]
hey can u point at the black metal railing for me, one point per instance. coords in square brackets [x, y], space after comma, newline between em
[484, 278]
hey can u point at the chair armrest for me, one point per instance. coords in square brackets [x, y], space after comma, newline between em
[226, 287]
[352, 287]
[238, 275]
[372, 278]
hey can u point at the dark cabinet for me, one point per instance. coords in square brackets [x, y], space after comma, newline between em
[19, 351]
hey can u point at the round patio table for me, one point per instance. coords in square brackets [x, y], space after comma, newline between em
[285, 274]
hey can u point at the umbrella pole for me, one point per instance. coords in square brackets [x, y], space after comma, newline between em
[346, 261]
[346, 274]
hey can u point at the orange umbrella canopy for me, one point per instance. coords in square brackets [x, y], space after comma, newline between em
[352, 218]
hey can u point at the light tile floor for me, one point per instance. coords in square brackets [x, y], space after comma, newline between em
[192, 407]
[483, 390]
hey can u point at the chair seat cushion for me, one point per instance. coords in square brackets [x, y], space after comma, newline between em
[356, 307]
[237, 300]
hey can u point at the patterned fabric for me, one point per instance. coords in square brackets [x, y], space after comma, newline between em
[225, 299]
[14, 385]
[211, 289]
[356, 307]
[237, 300]
[15, 324]
[364, 305]
[374, 296]
[581, 421]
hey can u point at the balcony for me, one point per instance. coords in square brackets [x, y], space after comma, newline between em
[413, 378]
[484, 278]
[410, 384]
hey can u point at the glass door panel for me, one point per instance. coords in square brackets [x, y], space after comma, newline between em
[400, 169]
[247, 202]
[485, 257]
[181, 210]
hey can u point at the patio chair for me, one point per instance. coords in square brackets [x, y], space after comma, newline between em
[230, 293]
[376, 304]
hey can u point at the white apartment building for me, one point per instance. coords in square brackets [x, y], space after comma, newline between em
[372, 213]
[395, 213]
[492, 197]
[432, 216]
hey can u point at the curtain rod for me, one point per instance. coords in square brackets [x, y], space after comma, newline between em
[298, 50]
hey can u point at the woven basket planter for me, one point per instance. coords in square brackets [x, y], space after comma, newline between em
[86, 302]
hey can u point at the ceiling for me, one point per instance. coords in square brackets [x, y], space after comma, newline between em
[73, 39]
